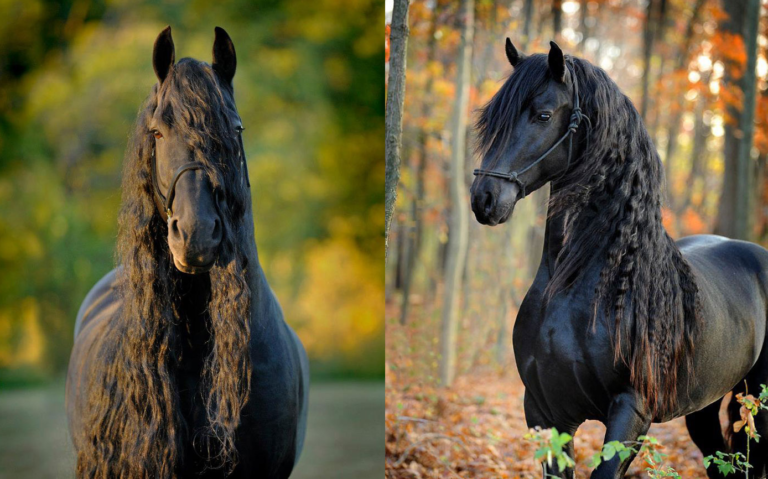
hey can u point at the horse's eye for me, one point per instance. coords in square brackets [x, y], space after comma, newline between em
[544, 117]
[239, 128]
[157, 134]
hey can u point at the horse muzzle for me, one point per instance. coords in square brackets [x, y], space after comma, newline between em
[195, 248]
[493, 200]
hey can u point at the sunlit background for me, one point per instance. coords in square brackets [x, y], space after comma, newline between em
[309, 88]
[682, 63]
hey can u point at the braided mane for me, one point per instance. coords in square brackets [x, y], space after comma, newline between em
[611, 198]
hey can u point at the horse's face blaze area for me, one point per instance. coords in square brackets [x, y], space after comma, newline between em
[195, 229]
[520, 123]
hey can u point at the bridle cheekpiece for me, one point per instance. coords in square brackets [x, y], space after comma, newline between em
[576, 118]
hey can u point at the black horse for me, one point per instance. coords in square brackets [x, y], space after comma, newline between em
[183, 365]
[621, 324]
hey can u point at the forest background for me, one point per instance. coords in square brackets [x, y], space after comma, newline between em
[698, 77]
[73, 75]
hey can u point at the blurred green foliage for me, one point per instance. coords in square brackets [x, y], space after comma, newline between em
[309, 88]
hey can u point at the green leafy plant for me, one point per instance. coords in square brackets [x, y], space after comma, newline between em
[647, 448]
[550, 445]
[728, 463]
[550, 450]
[731, 463]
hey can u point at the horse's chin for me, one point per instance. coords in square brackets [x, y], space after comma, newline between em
[500, 215]
[192, 268]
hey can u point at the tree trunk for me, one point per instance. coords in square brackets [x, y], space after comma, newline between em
[648, 36]
[699, 154]
[401, 230]
[677, 116]
[398, 39]
[417, 207]
[659, 35]
[528, 12]
[759, 194]
[458, 197]
[583, 12]
[726, 215]
[744, 187]
[557, 18]
[506, 292]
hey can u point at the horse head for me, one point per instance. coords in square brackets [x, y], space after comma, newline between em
[525, 133]
[196, 150]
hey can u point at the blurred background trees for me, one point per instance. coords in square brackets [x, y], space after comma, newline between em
[73, 74]
[688, 65]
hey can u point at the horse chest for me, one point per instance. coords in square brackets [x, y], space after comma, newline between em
[266, 436]
[557, 357]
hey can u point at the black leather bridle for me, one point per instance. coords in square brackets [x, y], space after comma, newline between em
[164, 202]
[576, 117]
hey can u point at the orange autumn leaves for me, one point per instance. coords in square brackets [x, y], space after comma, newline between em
[476, 429]
[750, 406]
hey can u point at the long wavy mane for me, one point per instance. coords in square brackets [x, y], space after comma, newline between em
[134, 429]
[611, 200]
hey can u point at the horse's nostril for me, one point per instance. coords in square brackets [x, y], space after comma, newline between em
[174, 225]
[488, 205]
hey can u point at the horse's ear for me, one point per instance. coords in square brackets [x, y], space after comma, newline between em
[512, 55]
[556, 62]
[224, 58]
[164, 54]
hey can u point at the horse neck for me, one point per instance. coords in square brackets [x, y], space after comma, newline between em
[554, 232]
[554, 236]
[195, 290]
[256, 278]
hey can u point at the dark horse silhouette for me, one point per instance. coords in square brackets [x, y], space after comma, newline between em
[183, 365]
[621, 324]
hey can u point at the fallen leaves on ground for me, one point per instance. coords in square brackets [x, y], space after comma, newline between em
[475, 428]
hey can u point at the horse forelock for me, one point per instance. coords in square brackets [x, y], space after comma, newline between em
[496, 118]
[133, 427]
[201, 109]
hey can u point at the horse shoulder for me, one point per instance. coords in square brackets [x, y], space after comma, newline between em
[100, 306]
[555, 329]
[101, 292]
[280, 369]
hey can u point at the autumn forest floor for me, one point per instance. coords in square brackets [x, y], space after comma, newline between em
[475, 429]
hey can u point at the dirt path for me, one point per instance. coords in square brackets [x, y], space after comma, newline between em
[344, 438]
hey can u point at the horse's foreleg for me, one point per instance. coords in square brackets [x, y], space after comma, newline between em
[535, 418]
[626, 421]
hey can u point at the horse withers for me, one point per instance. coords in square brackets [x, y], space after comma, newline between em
[183, 365]
[621, 324]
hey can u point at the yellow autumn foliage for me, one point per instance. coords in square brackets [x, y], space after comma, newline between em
[340, 312]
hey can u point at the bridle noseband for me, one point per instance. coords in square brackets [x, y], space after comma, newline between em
[164, 202]
[576, 117]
